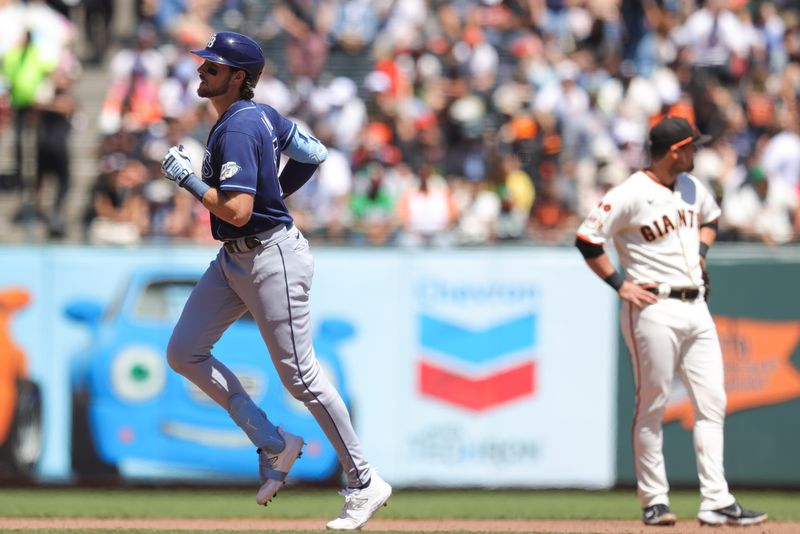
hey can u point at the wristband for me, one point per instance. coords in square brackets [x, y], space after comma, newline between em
[195, 186]
[615, 280]
[703, 248]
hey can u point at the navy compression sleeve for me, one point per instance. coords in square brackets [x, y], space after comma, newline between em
[294, 175]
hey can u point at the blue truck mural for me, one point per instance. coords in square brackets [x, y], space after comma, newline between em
[135, 418]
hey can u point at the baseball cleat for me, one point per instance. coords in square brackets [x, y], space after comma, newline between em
[361, 504]
[734, 514]
[658, 514]
[273, 467]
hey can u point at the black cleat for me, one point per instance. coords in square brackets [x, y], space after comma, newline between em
[658, 514]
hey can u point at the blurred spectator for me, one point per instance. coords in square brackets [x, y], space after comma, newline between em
[355, 24]
[479, 210]
[763, 210]
[322, 206]
[170, 213]
[372, 203]
[274, 92]
[717, 41]
[194, 21]
[25, 68]
[119, 212]
[171, 132]
[307, 25]
[53, 155]
[551, 217]
[98, 15]
[518, 193]
[136, 74]
[341, 112]
[427, 212]
[568, 87]
[781, 157]
[177, 94]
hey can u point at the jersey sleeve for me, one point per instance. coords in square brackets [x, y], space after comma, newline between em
[604, 219]
[709, 209]
[238, 159]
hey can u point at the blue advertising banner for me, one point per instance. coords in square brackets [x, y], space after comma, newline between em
[461, 367]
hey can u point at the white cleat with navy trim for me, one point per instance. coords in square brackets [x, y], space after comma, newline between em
[361, 504]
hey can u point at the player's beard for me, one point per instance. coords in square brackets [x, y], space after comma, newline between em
[689, 165]
[205, 90]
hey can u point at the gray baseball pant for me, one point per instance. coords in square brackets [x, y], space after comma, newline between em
[272, 281]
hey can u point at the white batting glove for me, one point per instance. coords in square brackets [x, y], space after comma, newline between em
[177, 166]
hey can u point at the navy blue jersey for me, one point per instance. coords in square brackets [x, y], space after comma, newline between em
[242, 154]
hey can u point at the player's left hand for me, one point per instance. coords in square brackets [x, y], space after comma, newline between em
[707, 284]
[177, 166]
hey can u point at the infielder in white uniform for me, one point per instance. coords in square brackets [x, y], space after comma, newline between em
[663, 221]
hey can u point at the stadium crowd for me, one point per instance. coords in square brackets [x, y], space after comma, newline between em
[448, 122]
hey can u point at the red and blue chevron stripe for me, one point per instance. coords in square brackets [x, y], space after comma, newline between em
[477, 369]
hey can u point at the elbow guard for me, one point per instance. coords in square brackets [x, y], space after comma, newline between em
[305, 148]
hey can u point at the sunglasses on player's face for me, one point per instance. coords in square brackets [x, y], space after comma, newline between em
[213, 69]
[210, 68]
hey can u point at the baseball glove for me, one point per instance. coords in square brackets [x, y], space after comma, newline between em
[707, 284]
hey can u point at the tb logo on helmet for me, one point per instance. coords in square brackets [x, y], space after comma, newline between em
[210, 42]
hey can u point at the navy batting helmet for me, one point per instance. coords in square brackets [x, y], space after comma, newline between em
[235, 50]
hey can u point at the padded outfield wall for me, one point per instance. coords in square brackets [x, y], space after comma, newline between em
[470, 367]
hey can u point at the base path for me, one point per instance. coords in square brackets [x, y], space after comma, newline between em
[614, 526]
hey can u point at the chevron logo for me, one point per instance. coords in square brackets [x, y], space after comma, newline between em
[477, 346]
[477, 369]
[477, 394]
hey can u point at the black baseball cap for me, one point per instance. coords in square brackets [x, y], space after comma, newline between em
[674, 132]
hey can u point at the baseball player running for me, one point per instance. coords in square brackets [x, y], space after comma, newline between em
[663, 221]
[264, 267]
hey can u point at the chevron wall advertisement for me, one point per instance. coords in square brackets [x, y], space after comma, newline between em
[480, 368]
[496, 385]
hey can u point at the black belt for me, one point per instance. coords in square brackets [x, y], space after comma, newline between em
[242, 244]
[681, 293]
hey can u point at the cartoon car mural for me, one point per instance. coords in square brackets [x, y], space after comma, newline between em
[20, 397]
[136, 418]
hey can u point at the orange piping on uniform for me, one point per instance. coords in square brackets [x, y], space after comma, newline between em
[637, 396]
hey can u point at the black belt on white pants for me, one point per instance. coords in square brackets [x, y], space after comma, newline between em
[680, 293]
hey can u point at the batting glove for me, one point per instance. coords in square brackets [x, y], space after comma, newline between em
[177, 166]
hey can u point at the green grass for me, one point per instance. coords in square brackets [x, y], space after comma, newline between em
[316, 503]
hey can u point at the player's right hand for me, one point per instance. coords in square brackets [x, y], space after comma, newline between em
[636, 294]
[177, 166]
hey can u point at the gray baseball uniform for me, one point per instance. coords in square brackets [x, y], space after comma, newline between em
[265, 267]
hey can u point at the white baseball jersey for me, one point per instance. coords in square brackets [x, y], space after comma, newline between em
[656, 233]
[655, 229]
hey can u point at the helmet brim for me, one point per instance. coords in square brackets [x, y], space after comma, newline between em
[208, 55]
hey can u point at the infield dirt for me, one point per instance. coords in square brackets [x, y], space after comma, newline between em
[686, 526]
